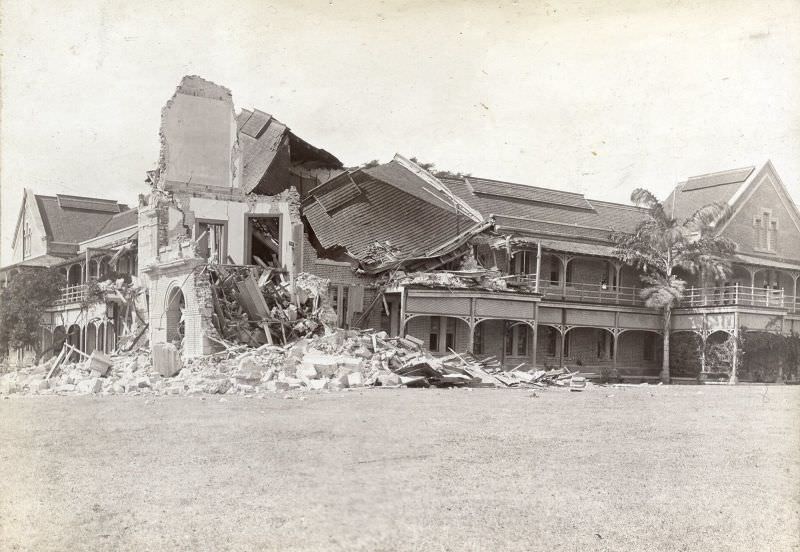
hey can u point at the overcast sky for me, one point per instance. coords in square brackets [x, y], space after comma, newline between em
[593, 97]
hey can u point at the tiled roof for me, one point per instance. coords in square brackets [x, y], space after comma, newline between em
[122, 220]
[699, 191]
[65, 223]
[260, 137]
[40, 261]
[510, 190]
[336, 192]
[717, 179]
[550, 219]
[412, 223]
[87, 203]
[267, 143]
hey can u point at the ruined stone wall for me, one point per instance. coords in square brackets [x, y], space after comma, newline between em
[187, 276]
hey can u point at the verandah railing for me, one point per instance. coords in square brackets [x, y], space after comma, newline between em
[737, 295]
[694, 297]
[71, 294]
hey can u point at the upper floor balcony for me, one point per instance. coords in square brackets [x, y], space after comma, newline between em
[71, 295]
[578, 292]
[739, 295]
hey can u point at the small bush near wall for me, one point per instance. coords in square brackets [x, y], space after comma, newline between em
[770, 357]
[684, 357]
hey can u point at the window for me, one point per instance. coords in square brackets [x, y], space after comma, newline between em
[552, 341]
[605, 345]
[523, 262]
[346, 301]
[765, 231]
[649, 349]
[477, 340]
[569, 272]
[517, 340]
[450, 336]
[433, 339]
[338, 295]
[211, 244]
[522, 340]
[26, 240]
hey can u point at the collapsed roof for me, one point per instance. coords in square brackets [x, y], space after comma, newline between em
[389, 214]
[269, 148]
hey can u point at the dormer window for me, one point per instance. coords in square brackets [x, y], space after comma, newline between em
[765, 231]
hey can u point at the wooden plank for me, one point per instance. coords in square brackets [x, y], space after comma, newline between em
[58, 361]
[251, 299]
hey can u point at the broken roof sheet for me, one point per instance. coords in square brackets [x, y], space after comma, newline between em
[253, 123]
[336, 192]
[524, 192]
[400, 212]
[262, 137]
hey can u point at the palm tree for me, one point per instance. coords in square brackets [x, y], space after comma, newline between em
[661, 244]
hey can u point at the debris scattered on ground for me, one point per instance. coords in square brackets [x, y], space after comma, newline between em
[255, 306]
[336, 360]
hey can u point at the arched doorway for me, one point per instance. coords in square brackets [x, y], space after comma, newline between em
[176, 304]
[103, 268]
[74, 336]
[59, 336]
[74, 275]
[719, 352]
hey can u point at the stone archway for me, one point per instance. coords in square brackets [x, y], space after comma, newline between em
[173, 312]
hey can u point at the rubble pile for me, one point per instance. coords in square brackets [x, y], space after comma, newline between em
[336, 360]
[256, 306]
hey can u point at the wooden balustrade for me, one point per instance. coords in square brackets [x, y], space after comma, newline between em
[71, 294]
[735, 295]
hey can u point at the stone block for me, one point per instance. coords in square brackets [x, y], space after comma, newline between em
[99, 363]
[166, 359]
[91, 385]
[354, 380]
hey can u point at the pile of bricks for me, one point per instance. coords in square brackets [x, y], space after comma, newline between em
[336, 360]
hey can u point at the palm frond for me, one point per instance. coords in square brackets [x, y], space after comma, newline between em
[708, 218]
[662, 292]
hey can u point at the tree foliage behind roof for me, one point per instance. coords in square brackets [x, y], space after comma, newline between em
[430, 167]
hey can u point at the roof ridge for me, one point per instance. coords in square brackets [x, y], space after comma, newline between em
[751, 167]
[579, 194]
[88, 197]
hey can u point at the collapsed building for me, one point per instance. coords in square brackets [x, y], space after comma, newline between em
[241, 213]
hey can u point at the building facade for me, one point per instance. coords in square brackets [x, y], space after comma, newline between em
[521, 273]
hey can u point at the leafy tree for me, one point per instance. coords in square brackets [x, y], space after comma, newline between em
[431, 168]
[22, 306]
[661, 245]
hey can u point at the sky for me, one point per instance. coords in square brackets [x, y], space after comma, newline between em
[594, 97]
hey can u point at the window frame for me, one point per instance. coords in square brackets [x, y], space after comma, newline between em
[223, 255]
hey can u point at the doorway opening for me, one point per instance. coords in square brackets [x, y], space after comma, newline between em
[264, 241]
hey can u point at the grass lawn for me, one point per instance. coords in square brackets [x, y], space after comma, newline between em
[625, 468]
